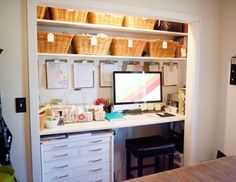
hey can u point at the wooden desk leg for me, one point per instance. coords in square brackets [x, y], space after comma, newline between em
[140, 167]
[128, 164]
[171, 161]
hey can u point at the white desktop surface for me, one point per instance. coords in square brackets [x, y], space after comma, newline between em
[129, 121]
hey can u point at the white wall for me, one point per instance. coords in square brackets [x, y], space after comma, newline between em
[14, 81]
[14, 59]
[227, 120]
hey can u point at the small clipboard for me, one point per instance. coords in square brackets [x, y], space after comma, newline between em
[106, 70]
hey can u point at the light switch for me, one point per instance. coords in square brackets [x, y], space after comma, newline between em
[233, 72]
[20, 104]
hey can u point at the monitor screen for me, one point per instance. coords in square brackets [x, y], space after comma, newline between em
[137, 87]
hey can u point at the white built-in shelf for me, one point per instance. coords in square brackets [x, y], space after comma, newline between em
[108, 57]
[129, 121]
[54, 23]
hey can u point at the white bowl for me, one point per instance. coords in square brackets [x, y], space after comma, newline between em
[51, 123]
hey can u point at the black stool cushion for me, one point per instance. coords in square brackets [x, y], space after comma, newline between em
[149, 146]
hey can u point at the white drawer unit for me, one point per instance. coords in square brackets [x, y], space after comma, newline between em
[85, 158]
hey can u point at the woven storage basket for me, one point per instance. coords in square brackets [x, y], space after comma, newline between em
[69, 15]
[138, 22]
[105, 18]
[83, 45]
[119, 47]
[41, 12]
[61, 42]
[155, 48]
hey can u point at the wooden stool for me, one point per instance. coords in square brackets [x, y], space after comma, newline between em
[141, 148]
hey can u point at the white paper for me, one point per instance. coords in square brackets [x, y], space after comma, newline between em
[154, 67]
[130, 43]
[106, 73]
[164, 45]
[50, 37]
[57, 75]
[83, 75]
[170, 74]
[183, 52]
[93, 41]
[133, 67]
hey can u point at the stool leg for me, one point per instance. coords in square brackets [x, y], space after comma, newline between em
[140, 167]
[156, 164]
[128, 164]
[171, 161]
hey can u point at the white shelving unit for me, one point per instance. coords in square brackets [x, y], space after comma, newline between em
[108, 27]
[192, 62]
[82, 56]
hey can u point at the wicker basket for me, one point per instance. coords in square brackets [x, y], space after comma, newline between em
[105, 18]
[138, 22]
[83, 45]
[41, 12]
[155, 48]
[61, 43]
[42, 120]
[120, 47]
[69, 15]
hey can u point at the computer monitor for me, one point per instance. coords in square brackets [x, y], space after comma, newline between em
[131, 89]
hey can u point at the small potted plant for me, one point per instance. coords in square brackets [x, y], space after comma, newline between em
[51, 121]
[106, 104]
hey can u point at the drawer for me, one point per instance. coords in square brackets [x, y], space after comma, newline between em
[95, 141]
[54, 166]
[65, 175]
[59, 155]
[59, 146]
[74, 143]
[94, 149]
[102, 177]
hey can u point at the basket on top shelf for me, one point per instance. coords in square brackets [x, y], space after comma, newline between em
[92, 45]
[54, 42]
[41, 12]
[69, 15]
[105, 18]
[171, 26]
[127, 46]
[139, 22]
[162, 48]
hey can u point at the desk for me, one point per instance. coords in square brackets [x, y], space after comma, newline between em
[130, 121]
[219, 170]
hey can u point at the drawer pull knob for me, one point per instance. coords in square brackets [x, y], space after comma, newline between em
[60, 146]
[62, 155]
[60, 167]
[95, 150]
[97, 160]
[100, 180]
[95, 170]
[64, 176]
[95, 141]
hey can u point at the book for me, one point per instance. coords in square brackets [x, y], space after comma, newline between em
[114, 116]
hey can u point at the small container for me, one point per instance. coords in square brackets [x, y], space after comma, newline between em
[99, 116]
[51, 122]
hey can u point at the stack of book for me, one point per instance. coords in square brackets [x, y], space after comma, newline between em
[114, 116]
[182, 93]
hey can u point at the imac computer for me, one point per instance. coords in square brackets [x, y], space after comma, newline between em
[131, 89]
